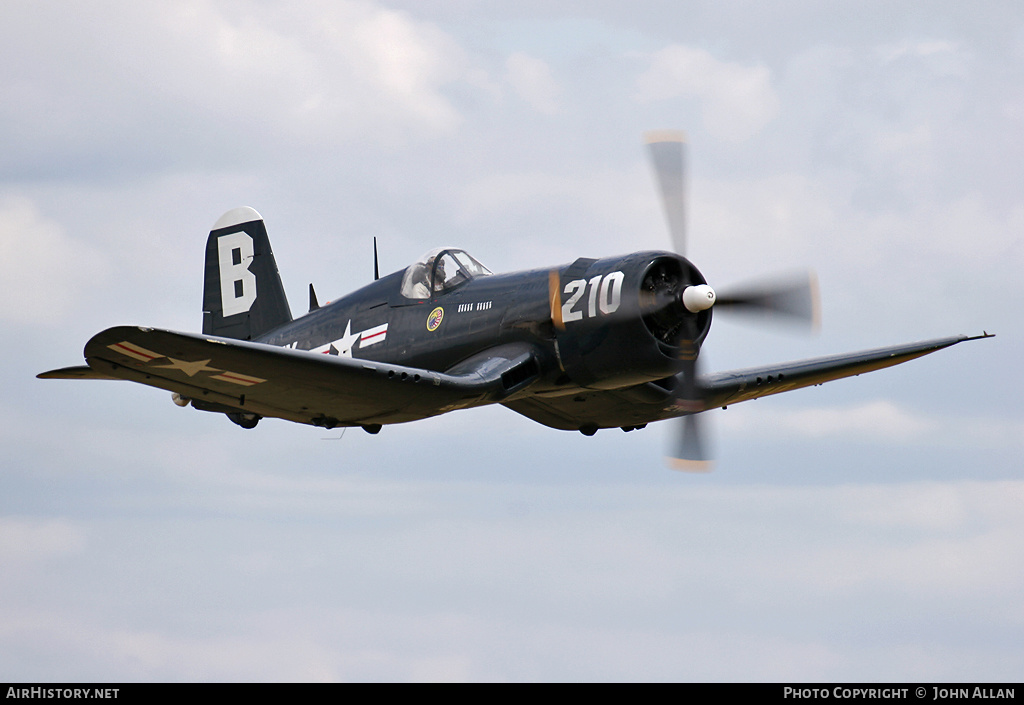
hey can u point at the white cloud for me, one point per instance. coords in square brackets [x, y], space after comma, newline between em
[406, 61]
[941, 56]
[562, 215]
[204, 78]
[736, 100]
[880, 420]
[592, 582]
[934, 540]
[42, 269]
[953, 262]
[29, 540]
[532, 80]
[216, 553]
[777, 220]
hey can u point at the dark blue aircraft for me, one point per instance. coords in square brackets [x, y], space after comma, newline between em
[594, 344]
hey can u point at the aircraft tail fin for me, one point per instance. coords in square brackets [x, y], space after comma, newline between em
[243, 296]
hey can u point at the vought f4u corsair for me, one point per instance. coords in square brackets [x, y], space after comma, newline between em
[594, 344]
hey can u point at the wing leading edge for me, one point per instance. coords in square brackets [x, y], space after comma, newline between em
[323, 390]
[724, 388]
[634, 407]
[230, 375]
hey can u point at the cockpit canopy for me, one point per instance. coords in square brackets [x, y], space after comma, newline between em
[439, 271]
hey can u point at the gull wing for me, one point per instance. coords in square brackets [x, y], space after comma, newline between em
[224, 374]
[733, 387]
[634, 407]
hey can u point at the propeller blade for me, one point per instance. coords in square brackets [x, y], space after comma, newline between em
[691, 452]
[555, 299]
[793, 299]
[666, 151]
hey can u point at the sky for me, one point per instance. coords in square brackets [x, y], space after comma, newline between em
[866, 530]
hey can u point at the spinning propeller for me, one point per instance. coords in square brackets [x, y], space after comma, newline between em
[676, 302]
[792, 298]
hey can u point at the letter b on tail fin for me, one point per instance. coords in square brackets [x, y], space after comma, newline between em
[243, 297]
[235, 253]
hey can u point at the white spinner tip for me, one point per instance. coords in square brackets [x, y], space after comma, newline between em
[698, 298]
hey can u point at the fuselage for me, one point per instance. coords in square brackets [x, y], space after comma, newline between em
[598, 334]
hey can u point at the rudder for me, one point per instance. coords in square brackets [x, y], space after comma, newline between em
[243, 296]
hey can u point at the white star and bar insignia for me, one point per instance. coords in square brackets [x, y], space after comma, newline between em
[343, 346]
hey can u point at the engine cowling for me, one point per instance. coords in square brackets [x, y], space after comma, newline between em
[624, 320]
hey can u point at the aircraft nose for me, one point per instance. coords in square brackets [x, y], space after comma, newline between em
[698, 298]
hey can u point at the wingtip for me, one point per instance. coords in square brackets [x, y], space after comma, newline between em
[76, 372]
[984, 334]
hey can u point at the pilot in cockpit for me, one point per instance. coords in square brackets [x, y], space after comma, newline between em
[439, 278]
[418, 280]
[449, 267]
